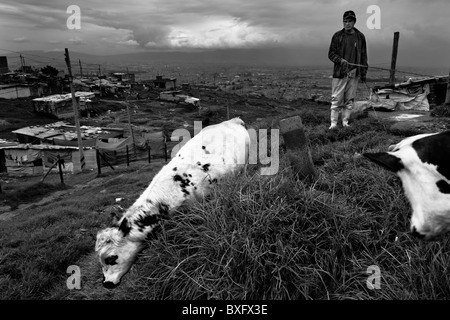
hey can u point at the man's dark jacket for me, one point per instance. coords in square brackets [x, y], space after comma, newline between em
[336, 53]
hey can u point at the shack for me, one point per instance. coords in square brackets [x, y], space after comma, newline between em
[177, 97]
[60, 105]
[16, 90]
[164, 83]
[30, 159]
[62, 134]
[143, 147]
[123, 77]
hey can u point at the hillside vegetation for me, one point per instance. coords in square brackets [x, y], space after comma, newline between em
[257, 237]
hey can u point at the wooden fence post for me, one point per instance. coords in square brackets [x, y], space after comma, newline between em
[297, 147]
[165, 149]
[104, 159]
[447, 95]
[99, 164]
[51, 168]
[75, 112]
[128, 158]
[60, 169]
[394, 57]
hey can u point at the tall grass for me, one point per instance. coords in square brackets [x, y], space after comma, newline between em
[261, 237]
[38, 245]
[255, 237]
[442, 110]
[28, 193]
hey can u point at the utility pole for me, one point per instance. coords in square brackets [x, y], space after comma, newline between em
[129, 123]
[100, 80]
[394, 57]
[75, 111]
[81, 68]
[447, 95]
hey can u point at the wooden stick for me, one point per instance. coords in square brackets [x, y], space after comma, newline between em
[394, 57]
[104, 159]
[128, 158]
[75, 112]
[60, 169]
[99, 165]
[447, 95]
[45, 176]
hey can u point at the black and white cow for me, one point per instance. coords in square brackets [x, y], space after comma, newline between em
[423, 164]
[215, 151]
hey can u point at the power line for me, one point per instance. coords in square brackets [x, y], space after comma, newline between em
[34, 55]
[95, 65]
[27, 55]
[385, 69]
[36, 61]
[88, 66]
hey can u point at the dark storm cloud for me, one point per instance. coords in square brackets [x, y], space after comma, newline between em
[143, 24]
[32, 14]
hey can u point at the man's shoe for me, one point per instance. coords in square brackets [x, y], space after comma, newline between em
[345, 116]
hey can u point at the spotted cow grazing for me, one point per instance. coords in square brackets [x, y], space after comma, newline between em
[423, 164]
[215, 151]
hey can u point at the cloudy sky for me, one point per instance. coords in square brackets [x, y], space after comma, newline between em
[126, 26]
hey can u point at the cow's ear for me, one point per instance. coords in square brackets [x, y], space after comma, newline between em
[116, 213]
[386, 160]
[124, 227]
[102, 238]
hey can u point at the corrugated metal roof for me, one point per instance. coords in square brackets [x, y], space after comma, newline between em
[67, 96]
[24, 146]
[4, 143]
[65, 131]
[32, 131]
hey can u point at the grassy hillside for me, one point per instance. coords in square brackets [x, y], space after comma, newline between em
[258, 237]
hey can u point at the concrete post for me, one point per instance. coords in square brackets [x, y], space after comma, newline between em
[297, 147]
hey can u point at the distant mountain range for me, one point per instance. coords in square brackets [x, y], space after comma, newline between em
[274, 56]
[279, 56]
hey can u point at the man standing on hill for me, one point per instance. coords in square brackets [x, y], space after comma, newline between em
[348, 46]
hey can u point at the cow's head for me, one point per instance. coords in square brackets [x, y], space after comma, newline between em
[423, 164]
[117, 252]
